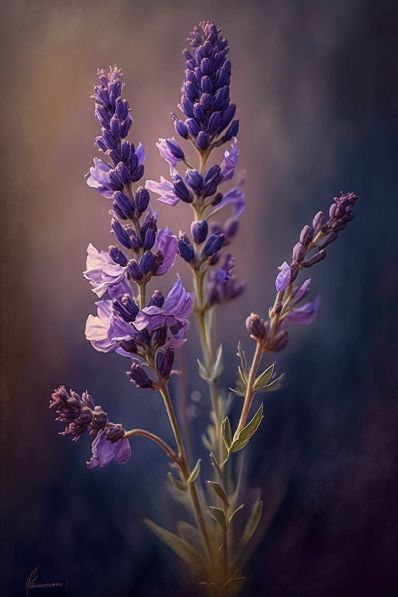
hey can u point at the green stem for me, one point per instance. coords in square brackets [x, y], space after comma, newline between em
[156, 439]
[184, 467]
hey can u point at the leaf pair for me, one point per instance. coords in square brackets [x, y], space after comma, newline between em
[240, 441]
[213, 371]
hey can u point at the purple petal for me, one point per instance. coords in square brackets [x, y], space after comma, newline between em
[178, 302]
[165, 189]
[284, 277]
[123, 451]
[300, 292]
[306, 314]
[102, 272]
[230, 161]
[140, 153]
[104, 451]
[166, 242]
[105, 330]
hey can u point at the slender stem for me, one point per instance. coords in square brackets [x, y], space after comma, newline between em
[156, 439]
[250, 388]
[185, 470]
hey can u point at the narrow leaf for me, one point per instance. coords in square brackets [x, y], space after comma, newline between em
[219, 491]
[238, 509]
[195, 473]
[264, 378]
[218, 365]
[226, 432]
[247, 431]
[253, 522]
[178, 545]
[275, 384]
[188, 533]
[203, 372]
[176, 483]
[219, 516]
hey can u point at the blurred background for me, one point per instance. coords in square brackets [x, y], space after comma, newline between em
[316, 87]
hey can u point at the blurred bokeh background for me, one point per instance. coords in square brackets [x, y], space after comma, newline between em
[316, 87]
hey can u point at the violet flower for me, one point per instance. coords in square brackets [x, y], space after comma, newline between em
[81, 416]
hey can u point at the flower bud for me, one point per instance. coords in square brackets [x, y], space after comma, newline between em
[142, 199]
[199, 231]
[306, 235]
[255, 326]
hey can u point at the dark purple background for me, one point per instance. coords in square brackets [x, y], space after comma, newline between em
[316, 86]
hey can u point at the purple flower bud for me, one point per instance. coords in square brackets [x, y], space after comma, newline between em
[232, 131]
[175, 149]
[314, 259]
[138, 173]
[227, 116]
[221, 98]
[149, 239]
[326, 240]
[193, 127]
[181, 190]
[185, 249]
[139, 377]
[199, 231]
[146, 262]
[126, 308]
[114, 433]
[202, 141]
[195, 181]
[156, 300]
[231, 228]
[123, 172]
[100, 143]
[134, 271]
[213, 245]
[124, 204]
[214, 123]
[181, 128]
[120, 232]
[142, 199]
[206, 84]
[255, 326]
[298, 252]
[306, 235]
[217, 199]
[319, 221]
[164, 363]
[117, 256]
[206, 103]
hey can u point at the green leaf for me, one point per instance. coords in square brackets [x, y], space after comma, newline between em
[219, 516]
[215, 465]
[219, 491]
[178, 545]
[253, 522]
[238, 509]
[233, 584]
[226, 432]
[275, 384]
[203, 372]
[248, 431]
[176, 483]
[243, 376]
[218, 365]
[195, 473]
[263, 379]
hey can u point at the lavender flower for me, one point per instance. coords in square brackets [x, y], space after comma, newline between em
[81, 416]
[205, 99]
[308, 251]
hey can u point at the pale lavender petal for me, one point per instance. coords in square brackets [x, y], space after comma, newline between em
[164, 189]
[306, 314]
[123, 451]
[301, 292]
[102, 272]
[166, 242]
[284, 277]
[179, 302]
[140, 153]
[230, 161]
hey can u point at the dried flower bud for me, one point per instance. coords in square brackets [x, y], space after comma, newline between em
[255, 326]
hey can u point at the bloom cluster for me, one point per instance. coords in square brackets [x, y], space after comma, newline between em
[82, 415]
[309, 250]
[209, 123]
[124, 323]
